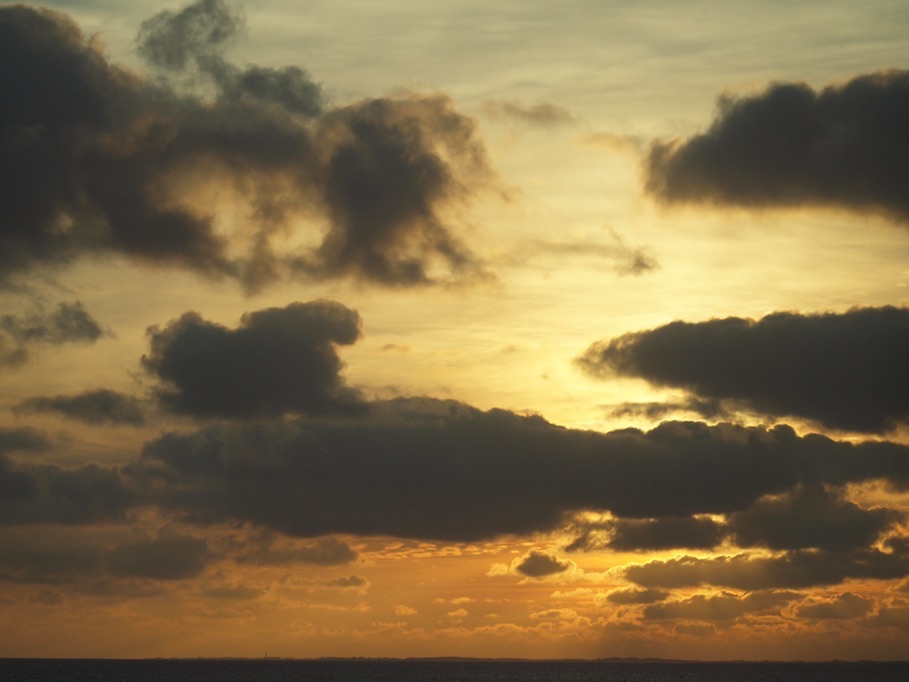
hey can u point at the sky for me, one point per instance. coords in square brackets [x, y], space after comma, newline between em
[522, 329]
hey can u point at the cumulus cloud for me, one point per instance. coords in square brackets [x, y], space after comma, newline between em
[278, 360]
[103, 160]
[844, 370]
[636, 596]
[843, 146]
[67, 323]
[539, 564]
[810, 517]
[100, 406]
[406, 467]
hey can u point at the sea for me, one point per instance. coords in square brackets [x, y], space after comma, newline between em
[469, 670]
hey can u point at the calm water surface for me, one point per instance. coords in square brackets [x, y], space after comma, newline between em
[24, 670]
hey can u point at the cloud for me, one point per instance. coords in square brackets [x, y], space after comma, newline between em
[707, 409]
[68, 323]
[405, 467]
[843, 607]
[539, 564]
[718, 607]
[52, 494]
[636, 596]
[94, 558]
[100, 406]
[844, 370]
[22, 439]
[843, 146]
[797, 569]
[542, 114]
[810, 517]
[391, 167]
[100, 160]
[655, 534]
[168, 556]
[265, 549]
[278, 360]
[193, 40]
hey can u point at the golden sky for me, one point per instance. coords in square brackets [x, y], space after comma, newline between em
[529, 329]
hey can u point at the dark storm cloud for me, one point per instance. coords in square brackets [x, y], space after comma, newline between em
[797, 569]
[539, 564]
[278, 360]
[844, 146]
[445, 471]
[68, 323]
[719, 607]
[101, 406]
[845, 370]
[99, 160]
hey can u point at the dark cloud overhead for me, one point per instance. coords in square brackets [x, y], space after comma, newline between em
[101, 160]
[845, 370]
[100, 406]
[844, 146]
[278, 360]
[723, 606]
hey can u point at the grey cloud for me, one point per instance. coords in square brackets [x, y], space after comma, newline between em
[542, 114]
[539, 564]
[845, 370]
[843, 146]
[22, 439]
[176, 40]
[719, 607]
[391, 168]
[843, 607]
[68, 323]
[278, 360]
[407, 468]
[194, 39]
[100, 406]
[101, 160]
